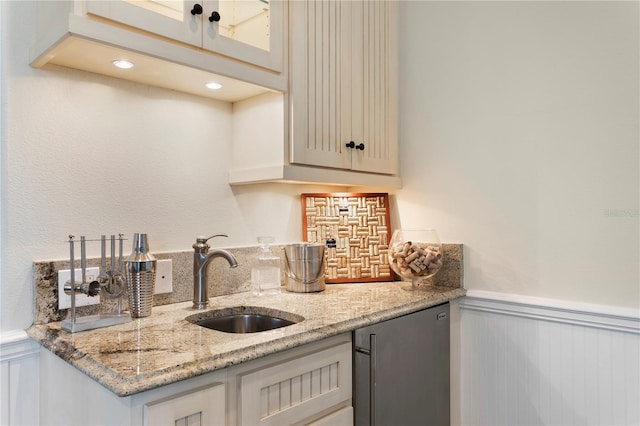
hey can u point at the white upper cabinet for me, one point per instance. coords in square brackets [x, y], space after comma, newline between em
[340, 113]
[175, 44]
[344, 85]
[240, 29]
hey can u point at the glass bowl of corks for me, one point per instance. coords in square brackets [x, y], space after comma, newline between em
[415, 255]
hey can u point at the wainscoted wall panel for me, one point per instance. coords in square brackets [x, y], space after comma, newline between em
[19, 375]
[527, 362]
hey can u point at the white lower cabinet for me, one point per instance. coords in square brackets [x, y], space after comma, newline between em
[310, 384]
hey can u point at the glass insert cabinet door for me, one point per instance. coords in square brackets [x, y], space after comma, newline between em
[248, 30]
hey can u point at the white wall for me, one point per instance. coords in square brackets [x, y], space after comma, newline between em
[87, 154]
[520, 138]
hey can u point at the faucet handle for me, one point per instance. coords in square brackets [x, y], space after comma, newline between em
[201, 242]
[205, 239]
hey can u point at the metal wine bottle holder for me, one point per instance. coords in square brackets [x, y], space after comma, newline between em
[110, 282]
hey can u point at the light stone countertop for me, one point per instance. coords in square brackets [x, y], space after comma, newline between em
[165, 348]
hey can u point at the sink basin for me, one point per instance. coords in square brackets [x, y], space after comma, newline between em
[244, 319]
[244, 323]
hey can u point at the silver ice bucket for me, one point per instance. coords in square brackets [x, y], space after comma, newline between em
[304, 267]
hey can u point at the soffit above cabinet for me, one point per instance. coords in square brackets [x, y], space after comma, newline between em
[86, 55]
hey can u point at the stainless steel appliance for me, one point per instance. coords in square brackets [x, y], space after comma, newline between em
[401, 370]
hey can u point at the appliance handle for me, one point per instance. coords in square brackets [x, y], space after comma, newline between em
[371, 352]
[372, 380]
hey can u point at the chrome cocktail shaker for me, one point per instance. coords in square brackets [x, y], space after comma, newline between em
[140, 269]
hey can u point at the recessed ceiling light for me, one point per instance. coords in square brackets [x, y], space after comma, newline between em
[213, 85]
[123, 64]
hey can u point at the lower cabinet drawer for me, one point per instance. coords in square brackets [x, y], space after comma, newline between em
[200, 407]
[294, 390]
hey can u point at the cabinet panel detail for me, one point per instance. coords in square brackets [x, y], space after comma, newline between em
[317, 85]
[344, 85]
[298, 389]
[191, 420]
[291, 391]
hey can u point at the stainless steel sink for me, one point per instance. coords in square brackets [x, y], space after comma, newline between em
[244, 319]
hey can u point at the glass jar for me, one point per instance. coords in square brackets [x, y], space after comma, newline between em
[265, 269]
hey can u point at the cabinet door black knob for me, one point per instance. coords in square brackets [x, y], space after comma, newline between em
[197, 9]
[351, 144]
[360, 146]
[215, 17]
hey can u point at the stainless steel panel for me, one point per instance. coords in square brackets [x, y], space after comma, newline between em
[411, 370]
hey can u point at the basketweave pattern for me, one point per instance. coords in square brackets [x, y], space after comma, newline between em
[359, 223]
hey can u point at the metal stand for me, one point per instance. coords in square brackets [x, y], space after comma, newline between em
[111, 281]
